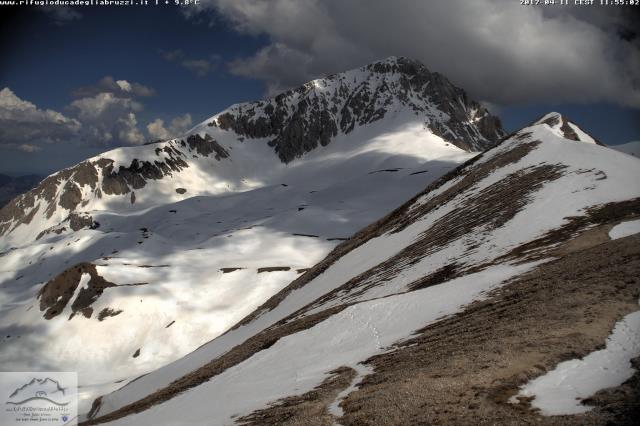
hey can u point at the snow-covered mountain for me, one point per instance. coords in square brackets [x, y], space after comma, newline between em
[233, 151]
[136, 257]
[441, 312]
[631, 148]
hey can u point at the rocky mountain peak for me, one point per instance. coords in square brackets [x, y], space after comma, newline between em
[301, 119]
[565, 128]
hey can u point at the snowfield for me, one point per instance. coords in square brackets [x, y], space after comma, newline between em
[189, 265]
[631, 148]
[184, 296]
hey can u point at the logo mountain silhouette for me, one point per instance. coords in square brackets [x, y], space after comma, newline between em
[46, 389]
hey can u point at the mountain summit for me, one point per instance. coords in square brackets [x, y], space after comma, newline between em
[300, 120]
[566, 129]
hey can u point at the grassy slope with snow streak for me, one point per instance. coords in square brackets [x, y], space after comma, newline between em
[298, 363]
[561, 391]
[569, 196]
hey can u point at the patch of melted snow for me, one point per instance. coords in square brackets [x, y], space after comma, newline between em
[625, 229]
[560, 391]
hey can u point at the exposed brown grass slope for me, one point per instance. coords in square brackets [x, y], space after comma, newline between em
[463, 370]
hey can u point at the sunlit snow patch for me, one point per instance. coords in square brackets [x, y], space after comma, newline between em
[625, 229]
[560, 391]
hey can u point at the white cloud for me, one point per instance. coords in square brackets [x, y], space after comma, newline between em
[118, 88]
[124, 85]
[104, 119]
[21, 122]
[102, 104]
[157, 130]
[129, 132]
[28, 147]
[177, 127]
[107, 111]
[498, 50]
[108, 119]
[171, 55]
[201, 67]
[24, 147]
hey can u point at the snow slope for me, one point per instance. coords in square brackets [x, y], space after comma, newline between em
[631, 148]
[490, 220]
[298, 363]
[136, 257]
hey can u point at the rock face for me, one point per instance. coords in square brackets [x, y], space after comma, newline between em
[207, 145]
[57, 293]
[298, 121]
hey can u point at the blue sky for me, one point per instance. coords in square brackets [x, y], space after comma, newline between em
[46, 61]
[185, 65]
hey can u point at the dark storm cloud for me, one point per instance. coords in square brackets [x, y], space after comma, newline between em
[500, 51]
